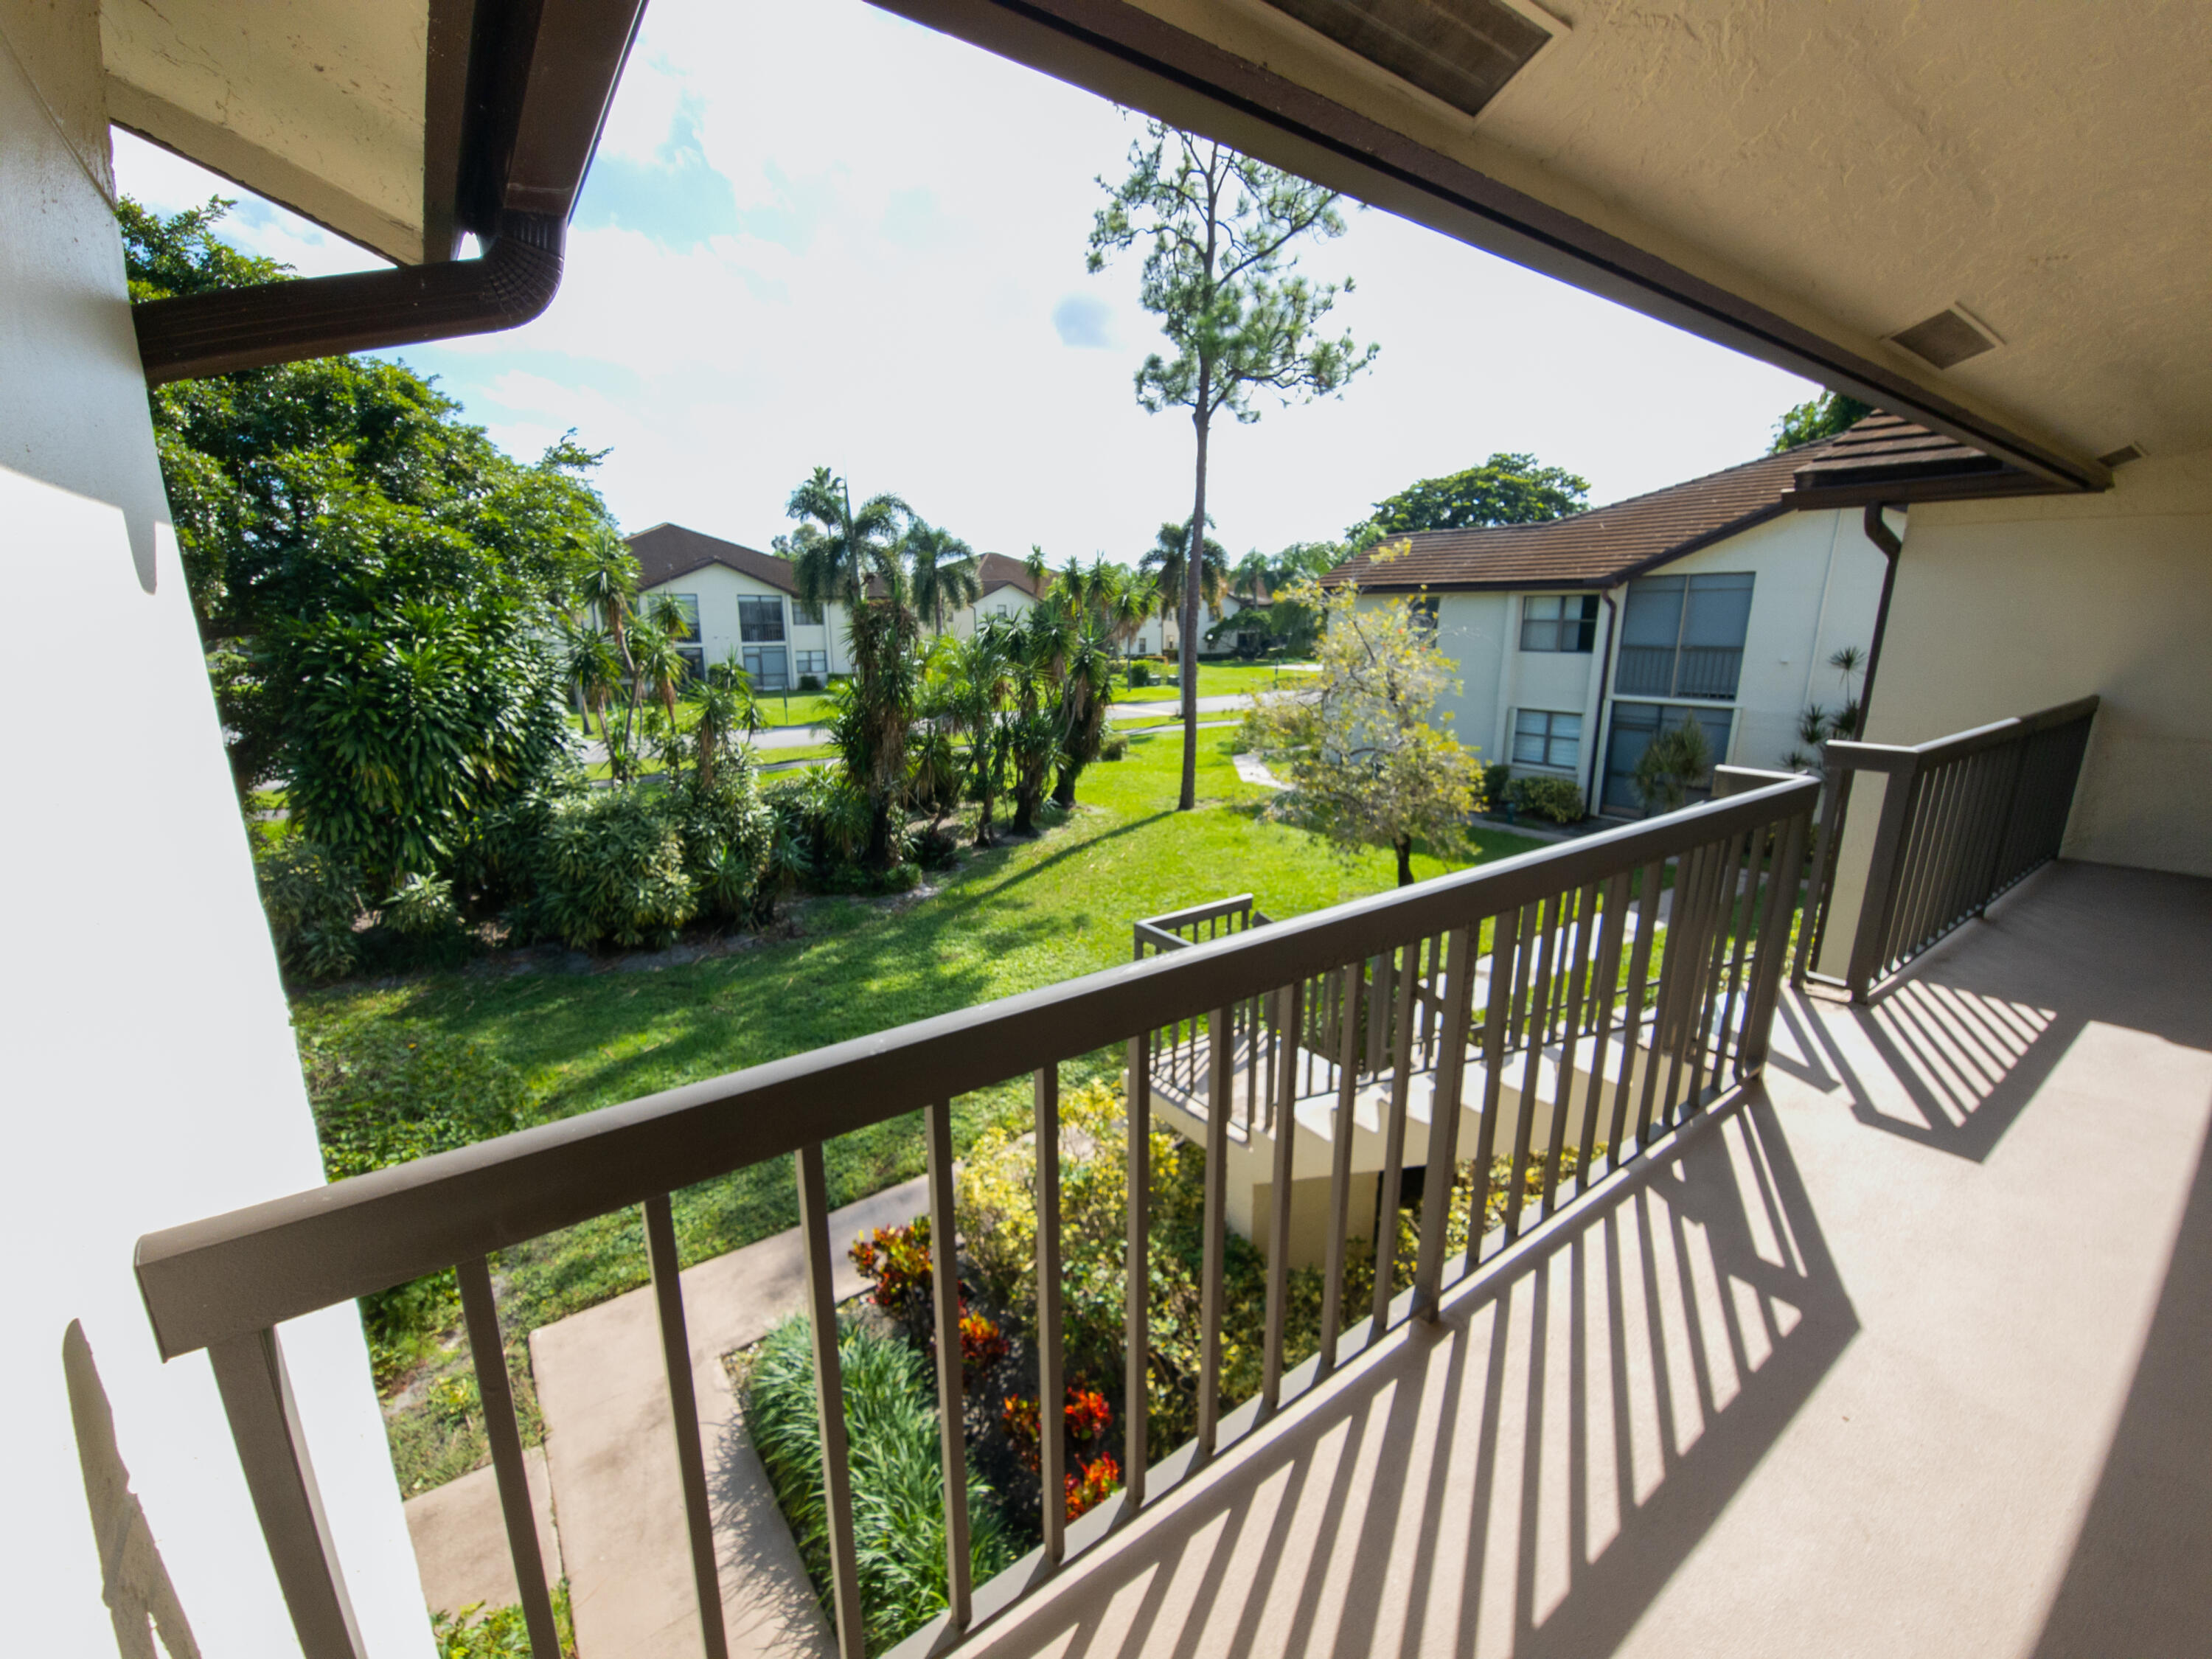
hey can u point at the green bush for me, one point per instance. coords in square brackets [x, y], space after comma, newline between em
[500, 1633]
[1114, 748]
[1139, 674]
[1556, 798]
[1496, 787]
[610, 866]
[313, 898]
[898, 1485]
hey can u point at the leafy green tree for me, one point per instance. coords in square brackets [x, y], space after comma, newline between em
[1675, 761]
[1222, 232]
[1823, 417]
[378, 586]
[1506, 488]
[1368, 763]
[858, 558]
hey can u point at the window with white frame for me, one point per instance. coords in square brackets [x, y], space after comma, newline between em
[804, 615]
[1558, 622]
[816, 663]
[1543, 737]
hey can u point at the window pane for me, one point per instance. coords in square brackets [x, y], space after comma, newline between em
[1529, 720]
[1719, 611]
[1564, 751]
[1586, 630]
[759, 619]
[1528, 750]
[689, 604]
[806, 616]
[1566, 725]
[1655, 612]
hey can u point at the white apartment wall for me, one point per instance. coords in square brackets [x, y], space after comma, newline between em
[1008, 604]
[718, 588]
[151, 1076]
[1816, 584]
[2005, 607]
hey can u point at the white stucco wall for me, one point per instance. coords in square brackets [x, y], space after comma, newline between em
[2005, 607]
[1816, 584]
[718, 588]
[151, 1076]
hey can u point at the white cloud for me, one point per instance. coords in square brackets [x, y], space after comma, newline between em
[898, 298]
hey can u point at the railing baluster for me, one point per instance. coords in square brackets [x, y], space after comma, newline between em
[1757, 882]
[1443, 1127]
[829, 1401]
[1604, 984]
[1773, 935]
[1563, 1084]
[1344, 1130]
[952, 1384]
[481, 1314]
[1648, 925]
[1683, 978]
[256, 1388]
[1505, 944]
[1136, 1333]
[1532, 1057]
[1052, 1389]
[1279, 1233]
[1391, 1189]
[1210, 1272]
[1728, 878]
[683, 1409]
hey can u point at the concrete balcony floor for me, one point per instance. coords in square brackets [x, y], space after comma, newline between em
[1908, 1353]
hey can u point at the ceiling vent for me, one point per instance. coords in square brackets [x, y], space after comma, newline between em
[1948, 338]
[1463, 51]
[2122, 456]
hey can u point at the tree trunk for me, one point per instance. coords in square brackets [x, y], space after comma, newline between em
[1404, 848]
[1193, 574]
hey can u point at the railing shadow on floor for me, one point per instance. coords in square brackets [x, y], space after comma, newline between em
[1969, 1033]
[1525, 1476]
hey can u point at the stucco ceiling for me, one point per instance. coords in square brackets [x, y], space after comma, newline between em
[1857, 166]
[318, 104]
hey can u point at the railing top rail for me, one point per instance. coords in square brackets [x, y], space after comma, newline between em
[229, 1274]
[1161, 940]
[1901, 757]
[1183, 918]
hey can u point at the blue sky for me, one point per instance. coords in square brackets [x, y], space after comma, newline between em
[822, 234]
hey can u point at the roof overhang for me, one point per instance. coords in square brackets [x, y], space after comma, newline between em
[1886, 462]
[1248, 73]
[403, 126]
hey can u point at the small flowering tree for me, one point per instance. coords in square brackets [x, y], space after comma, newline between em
[1368, 761]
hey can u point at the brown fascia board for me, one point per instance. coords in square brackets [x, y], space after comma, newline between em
[1121, 51]
[1977, 487]
[540, 76]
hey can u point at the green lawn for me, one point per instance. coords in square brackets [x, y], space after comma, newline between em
[1010, 920]
[1215, 679]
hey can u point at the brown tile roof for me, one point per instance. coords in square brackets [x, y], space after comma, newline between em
[1596, 549]
[669, 550]
[995, 570]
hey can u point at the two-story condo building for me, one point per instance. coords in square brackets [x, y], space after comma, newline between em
[742, 603]
[1580, 639]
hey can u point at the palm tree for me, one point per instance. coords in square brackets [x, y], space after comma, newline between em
[978, 667]
[592, 669]
[1163, 562]
[1086, 689]
[723, 698]
[856, 558]
[945, 572]
[661, 671]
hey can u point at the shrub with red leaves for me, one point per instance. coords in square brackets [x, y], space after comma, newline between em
[1099, 1479]
[1088, 1416]
[982, 1343]
[1019, 1414]
[896, 1261]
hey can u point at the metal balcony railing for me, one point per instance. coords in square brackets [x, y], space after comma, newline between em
[1705, 671]
[1963, 818]
[225, 1283]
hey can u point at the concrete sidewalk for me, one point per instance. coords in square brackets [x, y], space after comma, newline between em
[610, 1450]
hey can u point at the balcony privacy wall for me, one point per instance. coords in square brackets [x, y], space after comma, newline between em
[150, 1072]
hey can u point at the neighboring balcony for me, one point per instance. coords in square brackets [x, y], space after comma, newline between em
[1868, 1320]
[1708, 672]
